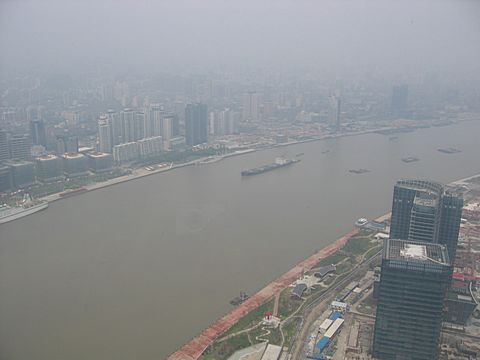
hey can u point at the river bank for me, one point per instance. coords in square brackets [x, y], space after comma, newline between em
[141, 172]
[194, 348]
[142, 267]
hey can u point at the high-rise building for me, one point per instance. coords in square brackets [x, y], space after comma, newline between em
[4, 150]
[38, 133]
[20, 146]
[139, 130]
[105, 140]
[128, 125]
[67, 144]
[399, 104]
[175, 124]
[155, 122]
[423, 210]
[167, 128]
[413, 283]
[116, 127]
[196, 124]
[334, 111]
[250, 106]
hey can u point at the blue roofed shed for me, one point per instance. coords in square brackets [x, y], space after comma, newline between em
[322, 343]
[335, 315]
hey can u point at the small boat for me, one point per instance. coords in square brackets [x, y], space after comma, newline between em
[325, 151]
[359, 171]
[237, 300]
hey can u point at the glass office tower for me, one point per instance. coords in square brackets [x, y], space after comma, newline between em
[423, 210]
[413, 283]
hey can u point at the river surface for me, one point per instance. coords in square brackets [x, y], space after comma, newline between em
[134, 270]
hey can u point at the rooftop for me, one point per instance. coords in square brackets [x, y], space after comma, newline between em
[424, 185]
[73, 155]
[97, 154]
[415, 251]
[426, 199]
[47, 157]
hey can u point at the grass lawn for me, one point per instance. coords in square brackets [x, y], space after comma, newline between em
[226, 348]
[335, 258]
[357, 245]
[287, 305]
[250, 319]
[289, 330]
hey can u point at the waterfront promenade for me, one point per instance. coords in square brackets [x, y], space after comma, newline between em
[194, 348]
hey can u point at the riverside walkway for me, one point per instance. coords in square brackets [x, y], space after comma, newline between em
[196, 346]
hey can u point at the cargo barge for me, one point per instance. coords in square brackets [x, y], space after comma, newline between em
[449, 150]
[359, 171]
[410, 159]
[73, 192]
[279, 163]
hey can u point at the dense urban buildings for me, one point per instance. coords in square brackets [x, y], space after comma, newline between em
[424, 210]
[414, 279]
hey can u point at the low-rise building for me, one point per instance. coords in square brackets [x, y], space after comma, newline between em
[6, 181]
[75, 164]
[99, 162]
[151, 146]
[49, 168]
[125, 152]
[23, 173]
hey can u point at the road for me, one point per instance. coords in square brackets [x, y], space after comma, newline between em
[313, 310]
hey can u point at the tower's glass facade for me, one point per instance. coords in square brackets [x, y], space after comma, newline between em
[413, 283]
[423, 211]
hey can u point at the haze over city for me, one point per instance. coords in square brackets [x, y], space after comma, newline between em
[271, 180]
[338, 38]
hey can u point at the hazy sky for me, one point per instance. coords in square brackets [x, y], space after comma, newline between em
[337, 36]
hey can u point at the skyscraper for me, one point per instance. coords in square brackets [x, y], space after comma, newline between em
[139, 130]
[105, 134]
[38, 133]
[196, 124]
[116, 127]
[423, 210]
[155, 120]
[167, 128]
[399, 103]
[334, 111]
[413, 283]
[20, 147]
[128, 125]
[4, 151]
[250, 106]
[67, 144]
